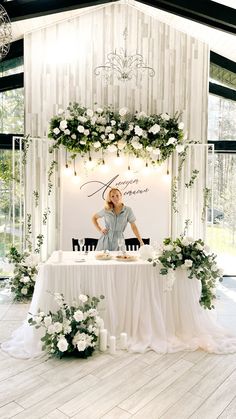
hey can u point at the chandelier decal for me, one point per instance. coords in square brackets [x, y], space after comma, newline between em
[122, 65]
[5, 33]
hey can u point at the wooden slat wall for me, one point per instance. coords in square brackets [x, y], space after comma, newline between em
[60, 60]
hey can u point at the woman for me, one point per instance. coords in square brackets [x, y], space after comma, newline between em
[116, 217]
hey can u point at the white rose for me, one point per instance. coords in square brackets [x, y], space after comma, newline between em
[112, 148]
[123, 111]
[165, 116]
[82, 119]
[82, 142]
[86, 132]
[108, 129]
[188, 263]
[60, 111]
[131, 127]
[51, 329]
[113, 122]
[199, 246]
[97, 144]
[136, 145]
[63, 124]
[149, 148]
[99, 110]
[73, 136]
[81, 345]
[83, 298]
[111, 136]
[121, 144]
[67, 131]
[138, 131]
[47, 320]
[62, 344]
[80, 128]
[24, 291]
[22, 279]
[155, 129]
[168, 247]
[178, 249]
[89, 113]
[78, 316]
[92, 312]
[26, 279]
[180, 148]
[171, 140]
[93, 120]
[57, 327]
[103, 137]
[120, 132]
[180, 125]
[141, 115]
[56, 131]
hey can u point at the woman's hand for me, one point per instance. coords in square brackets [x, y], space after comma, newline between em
[141, 243]
[104, 231]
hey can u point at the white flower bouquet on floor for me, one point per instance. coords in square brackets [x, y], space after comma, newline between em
[195, 257]
[72, 330]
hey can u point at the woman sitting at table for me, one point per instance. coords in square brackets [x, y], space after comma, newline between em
[116, 217]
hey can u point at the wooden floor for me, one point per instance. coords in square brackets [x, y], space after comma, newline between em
[193, 385]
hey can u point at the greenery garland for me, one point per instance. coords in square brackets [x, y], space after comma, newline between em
[84, 131]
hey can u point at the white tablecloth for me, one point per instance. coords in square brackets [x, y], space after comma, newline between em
[136, 302]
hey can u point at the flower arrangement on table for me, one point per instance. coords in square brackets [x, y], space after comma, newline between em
[25, 270]
[72, 330]
[84, 131]
[195, 257]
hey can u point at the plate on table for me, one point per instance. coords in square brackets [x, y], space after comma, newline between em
[80, 260]
[103, 256]
[126, 258]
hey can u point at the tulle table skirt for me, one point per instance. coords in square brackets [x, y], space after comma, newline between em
[136, 302]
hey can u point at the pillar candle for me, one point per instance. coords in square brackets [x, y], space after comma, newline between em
[103, 340]
[112, 345]
[123, 340]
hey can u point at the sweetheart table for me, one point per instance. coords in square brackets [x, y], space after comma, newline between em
[136, 302]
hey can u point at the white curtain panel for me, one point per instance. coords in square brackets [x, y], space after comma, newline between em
[188, 203]
[44, 211]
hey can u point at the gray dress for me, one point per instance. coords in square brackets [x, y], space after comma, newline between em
[116, 224]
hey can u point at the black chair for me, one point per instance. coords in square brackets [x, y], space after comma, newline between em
[90, 244]
[133, 243]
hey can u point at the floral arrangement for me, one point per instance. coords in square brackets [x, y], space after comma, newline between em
[72, 330]
[25, 270]
[83, 131]
[194, 256]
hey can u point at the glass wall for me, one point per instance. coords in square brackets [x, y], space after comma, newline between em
[221, 231]
[12, 111]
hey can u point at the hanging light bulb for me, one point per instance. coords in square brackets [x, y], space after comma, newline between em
[67, 170]
[137, 162]
[90, 164]
[146, 170]
[128, 173]
[104, 167]
[76, 178]
[118, 160]
[167, 176]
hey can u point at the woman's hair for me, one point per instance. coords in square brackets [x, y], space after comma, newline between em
[108, 203]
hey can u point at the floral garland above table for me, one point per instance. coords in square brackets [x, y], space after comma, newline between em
[85, 131]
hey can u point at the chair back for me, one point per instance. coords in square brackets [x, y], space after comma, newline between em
[90, 244]
[133, 243]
